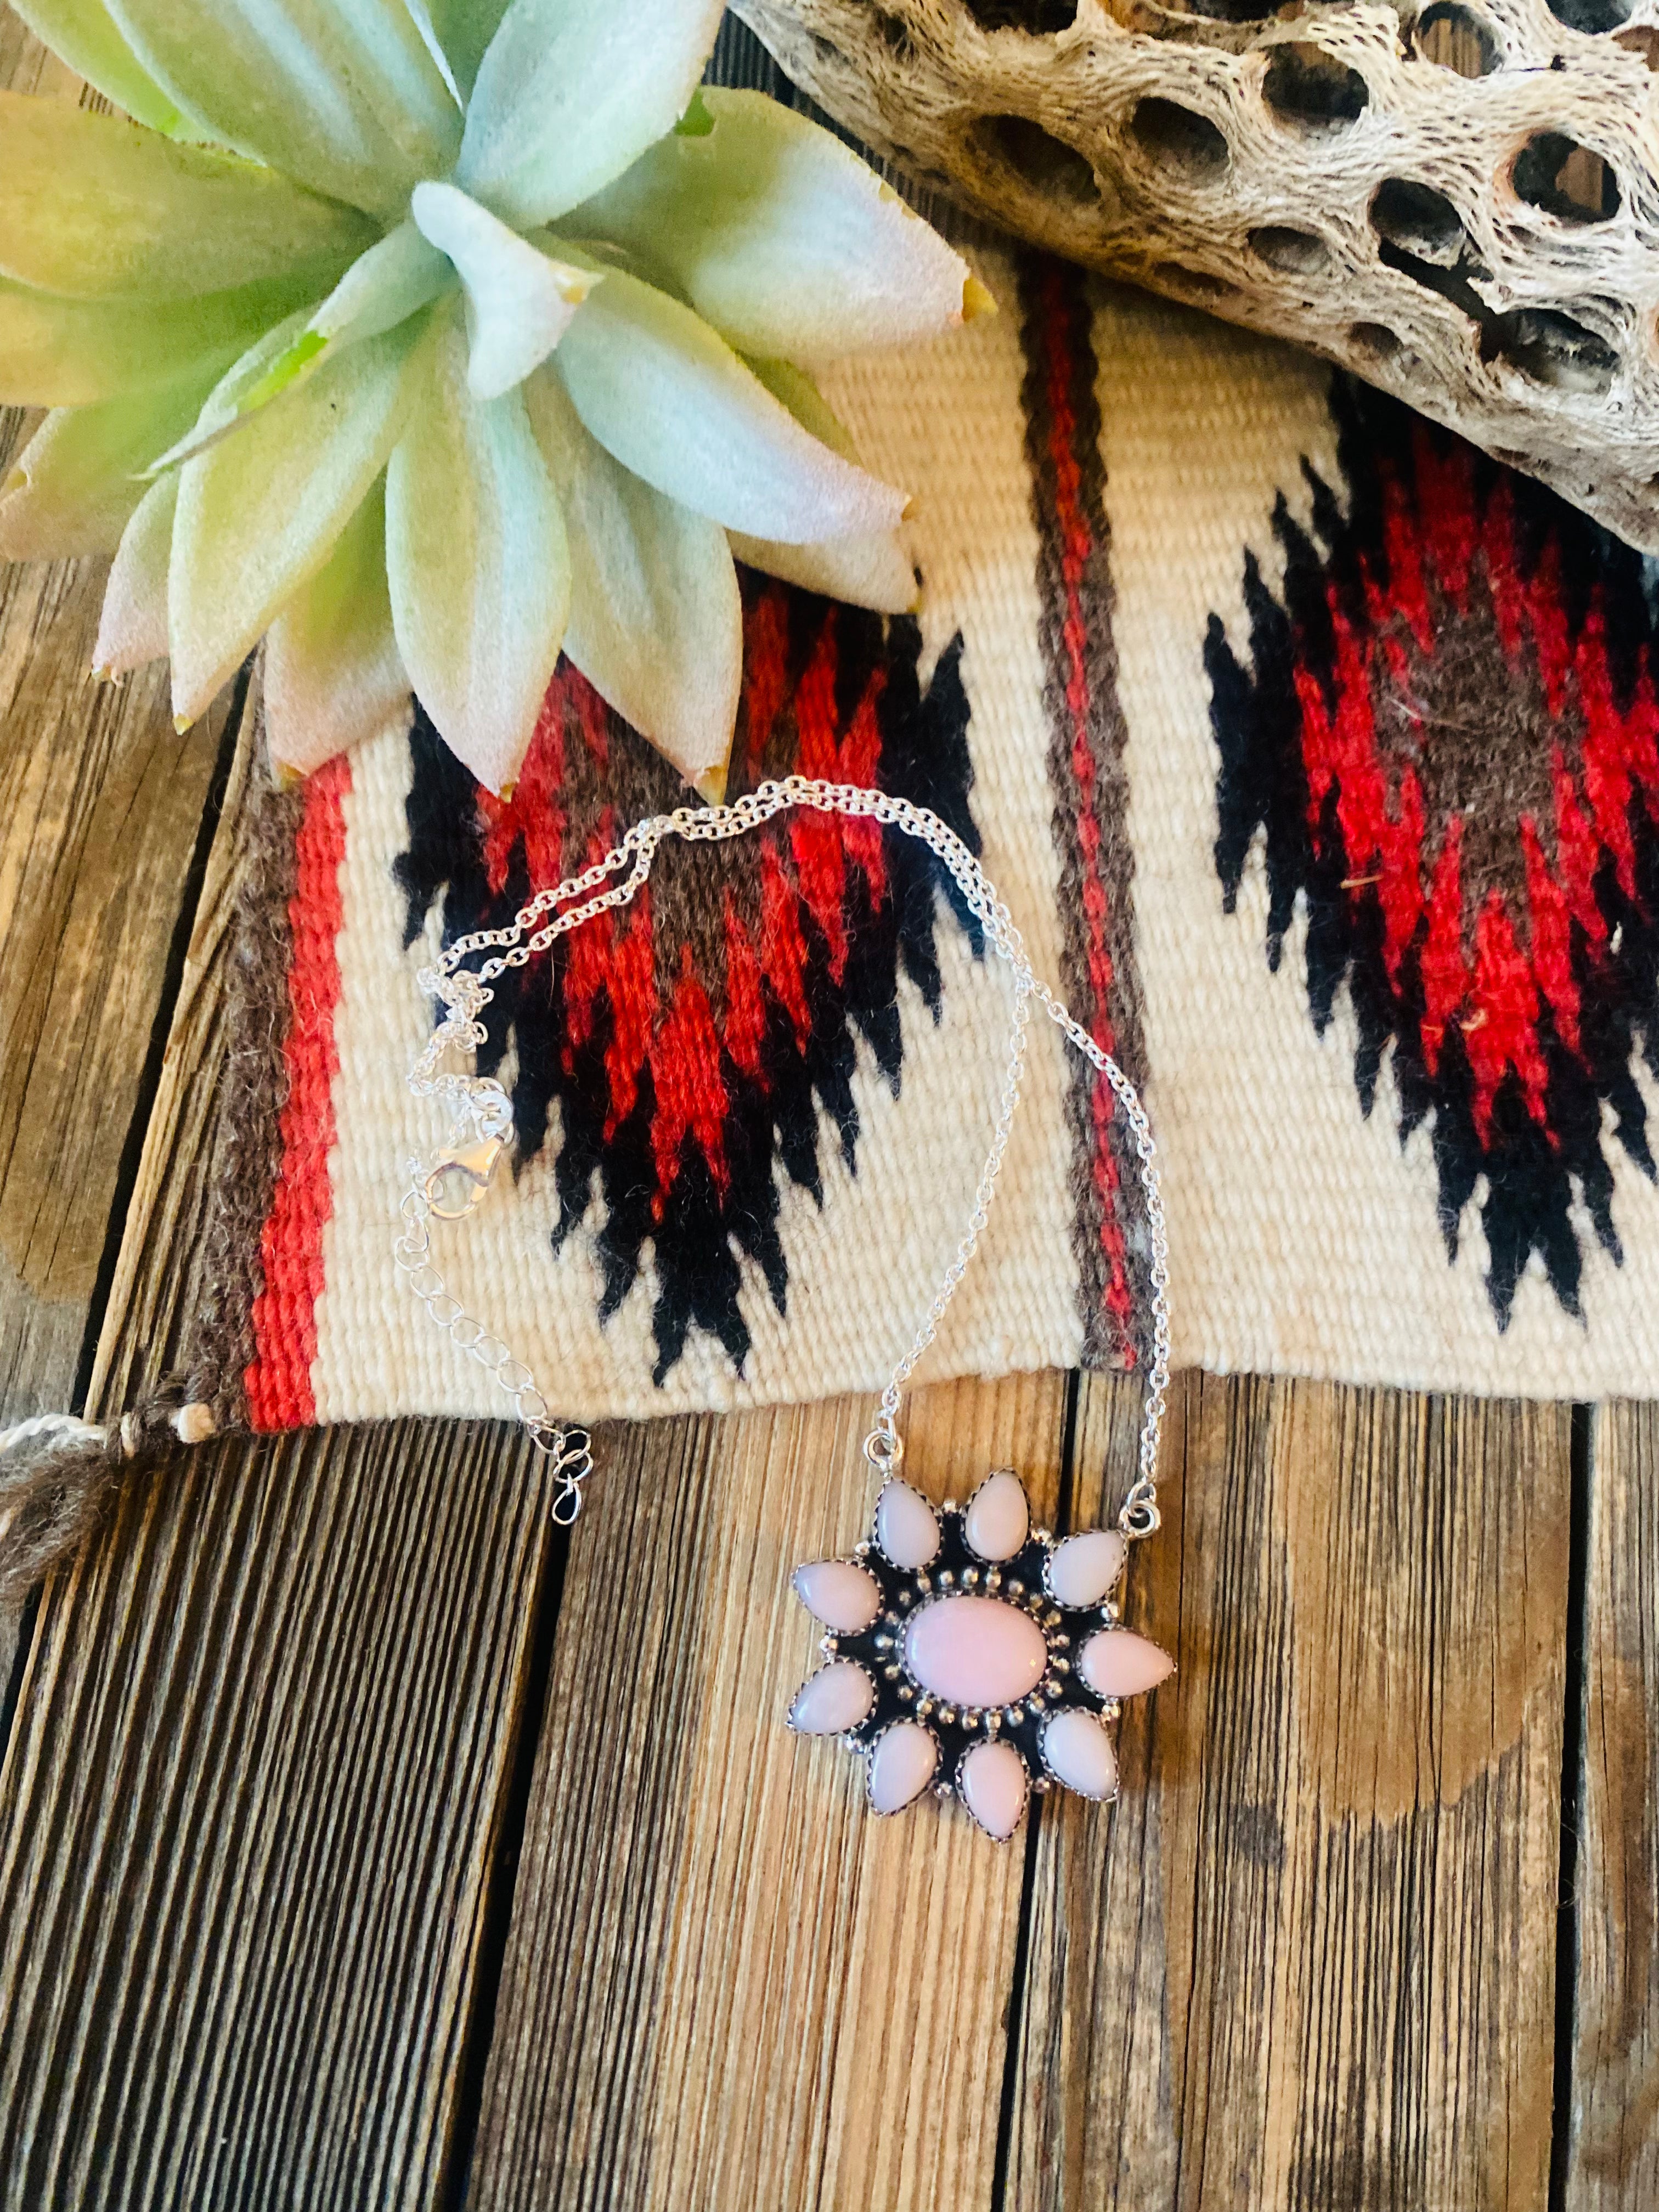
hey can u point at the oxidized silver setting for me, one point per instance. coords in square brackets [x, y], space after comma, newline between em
[1081, 1644]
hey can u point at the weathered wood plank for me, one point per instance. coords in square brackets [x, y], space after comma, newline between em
[725, 1982]
[247, 1816]
[252, 1794]
[1612, 2154]
[170, 1270]
[100, 802]
[1308, 1960]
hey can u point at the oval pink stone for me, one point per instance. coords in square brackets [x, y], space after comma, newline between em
[974, 1651]
[1115, 1662]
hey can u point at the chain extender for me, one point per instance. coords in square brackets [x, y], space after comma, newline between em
[458, 1176]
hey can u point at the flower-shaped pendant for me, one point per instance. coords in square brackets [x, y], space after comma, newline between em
[973, 1653]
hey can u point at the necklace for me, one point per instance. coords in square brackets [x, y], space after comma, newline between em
[965, 1651]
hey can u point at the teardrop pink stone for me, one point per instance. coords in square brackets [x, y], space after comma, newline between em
[974, 1651]
[836, 1698]
[993, 1782]
[907, 1527]
[902, 1765]
[1115, 1662]
[838, 1593]
[1084, 1568]
[999, 1516]
[1077, 1751]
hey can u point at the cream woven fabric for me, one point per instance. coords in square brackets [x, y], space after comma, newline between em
[1198, 623]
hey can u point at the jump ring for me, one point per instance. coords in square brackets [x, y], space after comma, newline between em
[884, 1450]
[1140, 1519]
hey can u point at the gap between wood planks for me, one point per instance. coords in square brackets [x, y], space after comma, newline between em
[533, 1723]
[17, 1634]
[149, 1080]
[1007, 2110]
[1574, 1700]
[532, 1727]
[479, 2027]
[501, 1881]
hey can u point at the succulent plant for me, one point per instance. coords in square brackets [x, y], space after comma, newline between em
[424, 338]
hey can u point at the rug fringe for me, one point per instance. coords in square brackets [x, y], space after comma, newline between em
[59, 1474]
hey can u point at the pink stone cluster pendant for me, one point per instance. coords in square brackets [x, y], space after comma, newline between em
[973, 1654]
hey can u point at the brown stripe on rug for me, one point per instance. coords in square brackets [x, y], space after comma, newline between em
[1086, 737]
[245, 1150]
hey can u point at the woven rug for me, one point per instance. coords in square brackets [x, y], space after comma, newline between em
[1316, 756]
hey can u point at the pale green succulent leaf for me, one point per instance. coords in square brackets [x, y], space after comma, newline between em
[869, 570]
[872, 571]
[56, 352]
[420, 16]
[394, 280]
[779, 236]
[82, 33]
[801, 396]
[519, 301]
[477, 564]
[96, 207]
[333, 674]
[466, 27]
[236, 393]
[571, 91]
[76, 482]
[259, 513]
[340, 95]
[400, 273]
[673, 401]
[656, 619]
[132, 629]
[463, 29]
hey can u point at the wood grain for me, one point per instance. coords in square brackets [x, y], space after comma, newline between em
[101, 801]
[247, 1816]
[253, 1790]
[260, 1806]
[1308, 1960]
[725, 1982]
[1612, 2163]
[161, 1284]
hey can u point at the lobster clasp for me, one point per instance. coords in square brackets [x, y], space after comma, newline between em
[461, 1177]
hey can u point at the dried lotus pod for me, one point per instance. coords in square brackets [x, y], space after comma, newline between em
[1458, 202]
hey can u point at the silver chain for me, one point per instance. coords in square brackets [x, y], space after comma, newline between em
[456, 1179]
